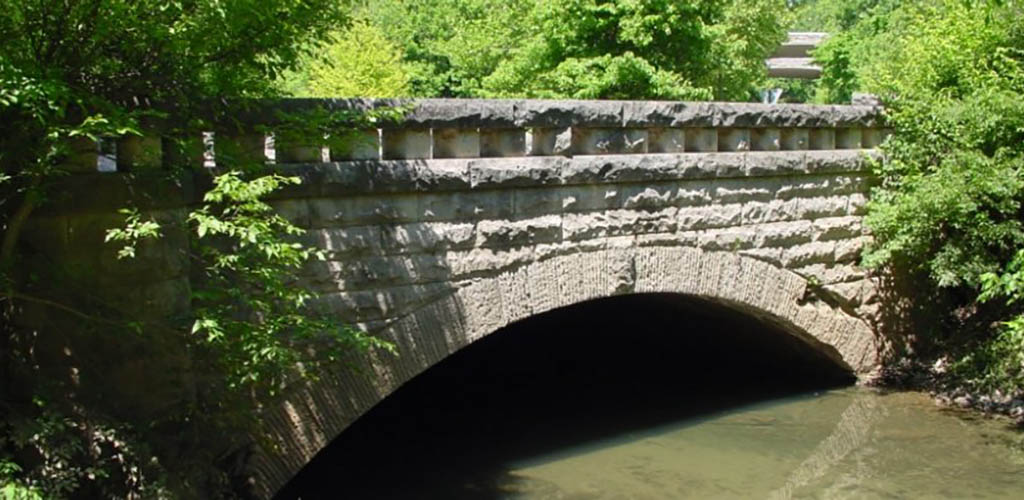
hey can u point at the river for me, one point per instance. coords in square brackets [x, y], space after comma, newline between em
[655, 397]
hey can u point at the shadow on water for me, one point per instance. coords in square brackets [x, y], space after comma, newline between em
[568, 377]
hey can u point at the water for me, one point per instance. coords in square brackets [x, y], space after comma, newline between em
[850, 443]
[654, 397]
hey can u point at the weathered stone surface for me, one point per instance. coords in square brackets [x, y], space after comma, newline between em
[516, 172]
[560, 114]
[434, 253]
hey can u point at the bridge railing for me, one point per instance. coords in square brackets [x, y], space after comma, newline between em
[485, 128]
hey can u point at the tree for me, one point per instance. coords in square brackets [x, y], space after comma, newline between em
[948, 211]
[360, 62]
[71, 72]
[642, 49]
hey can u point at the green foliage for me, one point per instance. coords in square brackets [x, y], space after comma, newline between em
[359, 62]
[249, 314]
[135, 229]
[76, 71]
[642, 49]
[951, 199]
[674, 49]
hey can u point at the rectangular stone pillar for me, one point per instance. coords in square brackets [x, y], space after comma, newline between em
[666, 140]
[407, 144]
[456, 143]
[355, 145]
[550, 142]
[502, 142]
[795, 139]
[872, 138]
[701, 140]
[236, 148]
[849, 138]
[822, 138]
[765, 139]
[292, 147]
[734, 139]
[602, 141]
[139, 153]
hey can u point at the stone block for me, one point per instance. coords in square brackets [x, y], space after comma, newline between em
[872, 138]
[239, 148]
[849, 138]
[568, 113]
[290, 147]
[795, 139]
[139, 153]
[822, 139]
[407, 144]
[507, 173]
[666, 140]
[734, 139]
[82, 155]
[355, 145]
[600, 141]
[498, 143]
[426, 237]
[551, 141]
[766, 139]
[506, 233]
[701, 140]
[456, 143]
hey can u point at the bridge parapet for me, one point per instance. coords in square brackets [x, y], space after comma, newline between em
[483, 128]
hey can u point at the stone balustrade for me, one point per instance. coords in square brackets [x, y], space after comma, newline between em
[479, 128]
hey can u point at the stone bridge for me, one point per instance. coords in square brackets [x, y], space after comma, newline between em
[470, 215]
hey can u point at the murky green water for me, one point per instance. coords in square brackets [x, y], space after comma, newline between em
[849, 443]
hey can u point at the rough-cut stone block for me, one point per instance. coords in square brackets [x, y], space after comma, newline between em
[560, 114]
[795, 139]
[289, 148]
[533, 202]
[139, 153]
[497, 143]
[346, 241]
[516, 172]
[355, 145]
[456, 143]
[871, 138]
[234, 148]
[668, 114]
[504, 234]
[666, 140]
[766, 139]
[407, 144]
[423, 236]
[741, 190]
[822, 139]
[701, 140]
[600, 141]
[849, 138]
[466, 206]
[458, 113]
[734, 139]
[774, 163]
[551, 141]
[692, 218]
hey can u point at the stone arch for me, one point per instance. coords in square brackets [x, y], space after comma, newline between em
[310, 418]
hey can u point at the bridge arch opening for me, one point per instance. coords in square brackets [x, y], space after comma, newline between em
[581, 373]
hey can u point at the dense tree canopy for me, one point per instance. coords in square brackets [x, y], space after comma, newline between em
[673, 49]
[951, 74]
